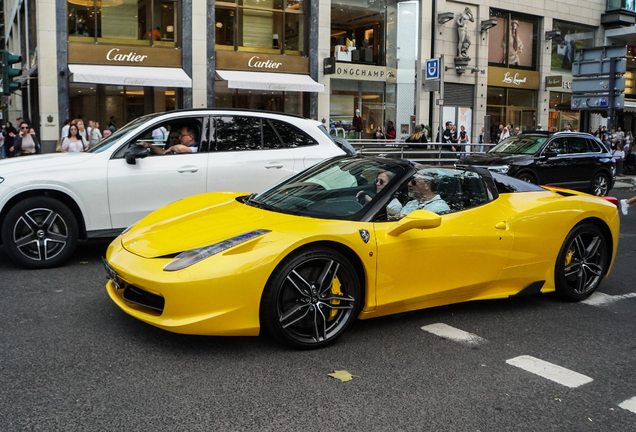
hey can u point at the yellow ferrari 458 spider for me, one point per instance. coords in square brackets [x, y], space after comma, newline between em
[356, 237]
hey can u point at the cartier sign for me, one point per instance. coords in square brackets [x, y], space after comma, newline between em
[123, 55]
[230, 60]
[503, 77]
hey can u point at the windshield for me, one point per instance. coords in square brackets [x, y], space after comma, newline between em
[342, 188]
[106, 143]
[519, 145]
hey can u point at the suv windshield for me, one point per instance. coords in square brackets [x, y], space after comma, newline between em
[109, 141]
[521, 144]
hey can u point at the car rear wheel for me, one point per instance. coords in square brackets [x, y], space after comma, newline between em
[40, 232]
[581, 263]
[311, 298]
[600, 185]
[527, 177]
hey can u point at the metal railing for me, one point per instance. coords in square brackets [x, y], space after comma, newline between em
[430, 153]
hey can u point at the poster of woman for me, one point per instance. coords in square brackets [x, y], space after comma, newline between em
[511, 43]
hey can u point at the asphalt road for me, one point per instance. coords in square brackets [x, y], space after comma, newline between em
[71, 360]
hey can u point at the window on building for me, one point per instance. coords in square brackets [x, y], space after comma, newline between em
[142, 22]
[573, 37]
[511, 43]
[267, 26]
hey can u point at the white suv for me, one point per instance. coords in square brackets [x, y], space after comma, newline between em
[49, 202]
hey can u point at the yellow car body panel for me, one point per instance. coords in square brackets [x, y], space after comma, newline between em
[491, 251]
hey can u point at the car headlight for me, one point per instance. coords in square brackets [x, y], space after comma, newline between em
[501, 169]
[193, 256]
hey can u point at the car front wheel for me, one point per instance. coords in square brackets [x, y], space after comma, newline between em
[526, 177]
[581, 263]
[311, 298]
[600, 185]
[40, 232]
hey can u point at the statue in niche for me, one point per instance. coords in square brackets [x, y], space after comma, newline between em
[462, 32]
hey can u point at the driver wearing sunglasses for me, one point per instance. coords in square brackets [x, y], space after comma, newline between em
[423, 188]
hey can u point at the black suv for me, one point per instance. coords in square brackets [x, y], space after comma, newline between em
[570, 160]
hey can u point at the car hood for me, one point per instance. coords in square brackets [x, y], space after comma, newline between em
[488, 159]
[195, 222]
[43, 161]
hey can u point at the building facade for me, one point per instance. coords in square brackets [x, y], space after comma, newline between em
[352, 64]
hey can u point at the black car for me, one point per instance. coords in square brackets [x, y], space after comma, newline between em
[570, 160]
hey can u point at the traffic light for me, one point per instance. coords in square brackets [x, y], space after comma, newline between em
[8, 72]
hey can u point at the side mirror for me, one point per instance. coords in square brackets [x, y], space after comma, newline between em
[549, 153]
[135, 151]
[419, 219]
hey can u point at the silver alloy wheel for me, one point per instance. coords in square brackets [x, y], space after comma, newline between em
[601, 185]
[315, 301]
[40, 234]
[584, 262]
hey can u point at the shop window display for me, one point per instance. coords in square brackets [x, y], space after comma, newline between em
[267, 26]
[140, 22]
[511, 42]
[573, 37]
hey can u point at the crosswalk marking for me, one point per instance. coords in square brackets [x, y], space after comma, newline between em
[629, 404]
[550, 371]
[601, 299]
[447, 332]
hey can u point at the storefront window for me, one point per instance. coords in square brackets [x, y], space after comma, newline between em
[101, 103]
[347, 96]
[267, 26]
[515, 107]
[573, 37]
[143, 22]
[561, 113]
[358, 31]
[278, 101]
[511, 43]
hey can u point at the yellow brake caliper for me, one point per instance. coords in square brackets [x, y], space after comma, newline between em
[568, 258]
[335, 290]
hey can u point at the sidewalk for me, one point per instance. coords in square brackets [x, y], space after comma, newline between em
[625, 182]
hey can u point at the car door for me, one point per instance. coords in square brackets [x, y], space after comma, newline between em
[135, 190]
[555, 169]
[583, 162]
[457, 260]
[246, 155]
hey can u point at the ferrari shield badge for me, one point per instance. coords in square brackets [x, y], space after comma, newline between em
[365, 235]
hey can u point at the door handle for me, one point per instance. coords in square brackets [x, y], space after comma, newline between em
[502, 225]
[188, 168]
[277, 165]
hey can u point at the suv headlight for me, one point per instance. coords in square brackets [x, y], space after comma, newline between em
[193, 256]
[501, 169]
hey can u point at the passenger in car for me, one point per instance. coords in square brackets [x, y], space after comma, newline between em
[423, 188]
[179, 141]
[381, 180]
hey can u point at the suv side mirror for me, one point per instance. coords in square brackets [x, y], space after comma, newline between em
[135, 151]
[549, 153]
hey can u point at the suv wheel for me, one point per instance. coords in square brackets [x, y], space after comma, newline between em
[600, 185]
[527, 177]
[40, 232]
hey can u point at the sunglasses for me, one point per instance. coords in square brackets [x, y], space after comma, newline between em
[379, 181]
[24, 127]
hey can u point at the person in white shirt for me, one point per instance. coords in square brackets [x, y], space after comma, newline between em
[96, 135]
[74, 142]
[67, 123]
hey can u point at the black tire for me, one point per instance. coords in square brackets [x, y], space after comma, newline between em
[40, 232]
[527, 177]
[600, 185]
[301, 304]
[582, 262]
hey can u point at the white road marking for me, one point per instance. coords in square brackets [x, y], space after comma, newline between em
[629, 404]
[600, 299]
[550, 371]
[448, 332]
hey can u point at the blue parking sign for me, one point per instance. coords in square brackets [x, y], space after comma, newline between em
[432, 69]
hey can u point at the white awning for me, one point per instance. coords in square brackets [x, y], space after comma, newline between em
[270, 81]
[630, 105]
[130, 75]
